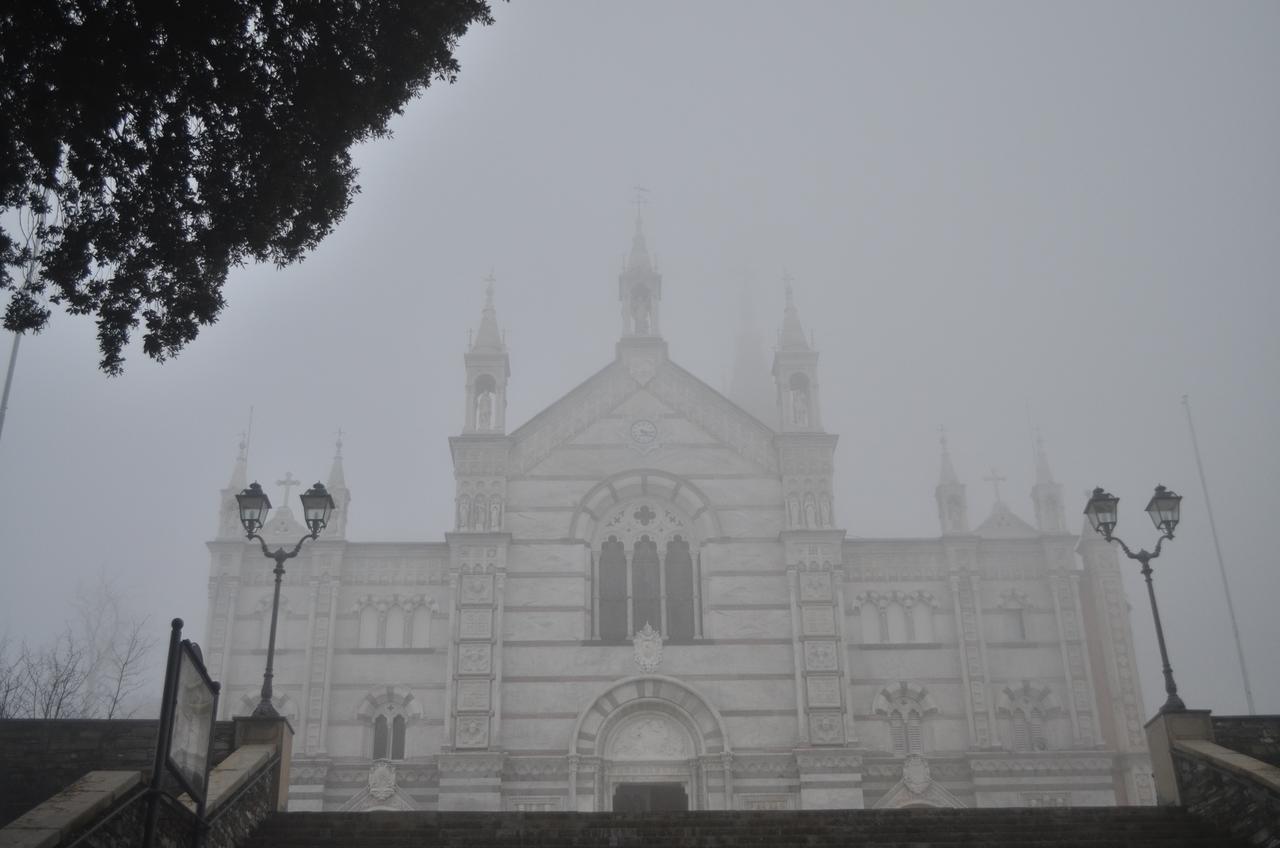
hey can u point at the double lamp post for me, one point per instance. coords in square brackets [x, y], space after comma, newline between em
[317, 506]
[1163, 508]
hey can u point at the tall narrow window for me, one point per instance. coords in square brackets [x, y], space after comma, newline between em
[646, 585]
[679, 590]
[397, 738]
[380, 738]
[898, 733]
[1021, 732]
[915, 743]
[613, 591]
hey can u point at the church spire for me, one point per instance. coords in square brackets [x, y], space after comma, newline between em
[792, 337]
[240, 472]
[337, 527]
[953, 505]
[639, 284]
[638, 259]
[488, 337]
[1046, 495]
[795, 372]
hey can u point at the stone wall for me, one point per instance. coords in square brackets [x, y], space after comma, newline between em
[1247, 808]
[43, 756]
[1257, 736]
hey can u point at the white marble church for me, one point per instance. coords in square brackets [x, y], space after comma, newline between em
[647, 604]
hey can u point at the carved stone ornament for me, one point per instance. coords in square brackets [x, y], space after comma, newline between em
[915, 774]
[648, 645]
[642, 369]
[382, 781]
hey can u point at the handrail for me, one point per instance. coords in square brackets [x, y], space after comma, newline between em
[224, 805]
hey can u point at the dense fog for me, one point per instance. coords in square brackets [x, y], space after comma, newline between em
[1001, 219]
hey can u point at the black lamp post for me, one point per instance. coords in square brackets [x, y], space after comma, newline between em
[1163, 509]
[317, 506]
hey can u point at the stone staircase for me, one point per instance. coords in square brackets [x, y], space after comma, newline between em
[1096, 827]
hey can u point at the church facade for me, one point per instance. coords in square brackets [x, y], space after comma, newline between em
[647, 603]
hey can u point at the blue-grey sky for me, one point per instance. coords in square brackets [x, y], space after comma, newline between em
[997, 216]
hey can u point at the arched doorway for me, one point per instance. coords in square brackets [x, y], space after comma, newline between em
[650, 743]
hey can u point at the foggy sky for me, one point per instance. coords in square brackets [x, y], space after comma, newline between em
[997, 216]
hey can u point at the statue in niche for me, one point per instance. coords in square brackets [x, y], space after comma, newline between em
[810, 512]
[463, 509]
[826, 511]
[641, 310]
[479, 513]
[484, 410]
[495, 515]
[800, 407]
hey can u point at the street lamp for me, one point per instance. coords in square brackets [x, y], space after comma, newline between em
[1163, 508]
[317, 506]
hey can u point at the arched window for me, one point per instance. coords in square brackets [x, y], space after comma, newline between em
[646, 572]
[646, 587]
[486, 396]
[397, 738]
[798, 387]
[679, 590]
[395, 627]
[613, 591]
[388, 738]
[1025, 710]
[380, 737]
[387, 711]
[904, 707]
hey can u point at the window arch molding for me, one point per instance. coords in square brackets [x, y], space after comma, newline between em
[388, 712]
[905, 708]
[658, 485]
[1027, 709]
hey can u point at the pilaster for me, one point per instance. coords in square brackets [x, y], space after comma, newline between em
[814, 566]
[973, 652]
[479, 562]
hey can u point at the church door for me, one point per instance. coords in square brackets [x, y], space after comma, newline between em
[650, 798]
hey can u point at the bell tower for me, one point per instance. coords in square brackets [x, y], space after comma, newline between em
[953, 505]
[488, 370]
[795, 372]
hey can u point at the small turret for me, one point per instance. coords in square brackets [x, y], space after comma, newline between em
[229, 509]
[749, 385]
[953, 505]
[640, 288]
[795, 373]
[1046, 495]
[488, 370]
[337, 527]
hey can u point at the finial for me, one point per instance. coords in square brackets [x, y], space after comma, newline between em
[942, 438]
[488, 289]
[337, 448]
[787, 280]
[243, 454]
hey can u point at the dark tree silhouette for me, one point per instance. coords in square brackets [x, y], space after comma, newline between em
[148, 147]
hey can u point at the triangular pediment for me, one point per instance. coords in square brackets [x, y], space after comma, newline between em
[1003, 524]
[643, 403]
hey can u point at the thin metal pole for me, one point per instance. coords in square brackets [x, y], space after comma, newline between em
[8, 379]
[265, 707]
[1222, 569]
[1173, 703]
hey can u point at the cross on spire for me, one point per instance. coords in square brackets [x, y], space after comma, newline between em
[642, 199]
[995, 480]
[288, 482]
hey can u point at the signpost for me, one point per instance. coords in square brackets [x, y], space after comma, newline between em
[184, 744]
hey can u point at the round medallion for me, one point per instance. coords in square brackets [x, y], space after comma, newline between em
[644, 432]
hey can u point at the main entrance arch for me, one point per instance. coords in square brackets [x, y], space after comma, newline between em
[650, 736]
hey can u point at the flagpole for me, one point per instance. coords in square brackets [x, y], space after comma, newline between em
[1222, 569]
[8, 379]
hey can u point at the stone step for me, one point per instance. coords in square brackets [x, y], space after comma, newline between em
[1096, 827]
